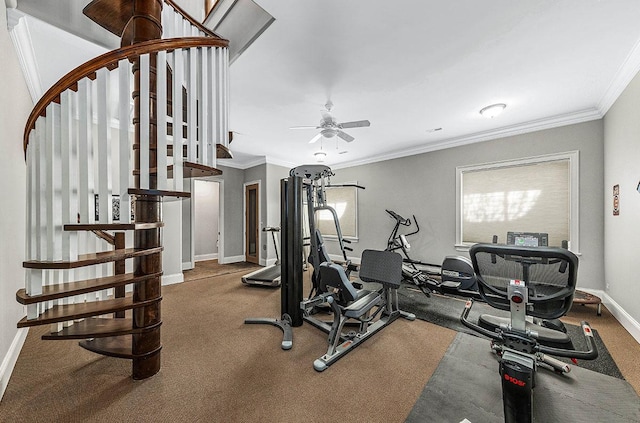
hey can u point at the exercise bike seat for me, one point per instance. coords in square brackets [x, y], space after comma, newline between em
[353, 303]
[546, 336]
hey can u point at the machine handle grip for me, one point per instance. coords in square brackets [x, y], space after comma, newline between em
[590, 354]
[348, 248]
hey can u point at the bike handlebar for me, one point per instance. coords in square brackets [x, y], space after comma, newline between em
[401, 220]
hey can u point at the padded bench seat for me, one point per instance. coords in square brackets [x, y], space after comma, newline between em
[362, 304]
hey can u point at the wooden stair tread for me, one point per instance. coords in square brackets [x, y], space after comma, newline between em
[63, 313]
[54, 292]
[112, 15]
[159, 193]
[114, 346]
[195, 170]
[112, 226]
[189, 170]
[222, 152]
[97, 327]
[91, 259]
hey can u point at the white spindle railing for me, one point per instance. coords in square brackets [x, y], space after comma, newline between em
[80, 149]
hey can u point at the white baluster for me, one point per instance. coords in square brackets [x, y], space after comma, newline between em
[204, 143]
[225, 70]
[192, 98]
[161, 104]
[104, 146]
[144, 121]
[178, 78]
[124, 117]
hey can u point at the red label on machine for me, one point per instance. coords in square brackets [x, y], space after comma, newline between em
[513, 380]
[516, 281]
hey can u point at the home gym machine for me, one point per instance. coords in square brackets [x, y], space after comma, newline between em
[270, 275]
[532, 283]
[456, 274]
[371, 309]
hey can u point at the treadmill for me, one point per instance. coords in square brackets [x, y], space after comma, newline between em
[270, 275]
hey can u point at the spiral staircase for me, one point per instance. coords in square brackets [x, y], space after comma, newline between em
[104, 147]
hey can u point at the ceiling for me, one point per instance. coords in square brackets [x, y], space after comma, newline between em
[410, 67]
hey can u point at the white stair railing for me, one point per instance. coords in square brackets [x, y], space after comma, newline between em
[79, 152]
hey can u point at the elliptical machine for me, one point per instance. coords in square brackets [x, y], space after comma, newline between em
[456, 273]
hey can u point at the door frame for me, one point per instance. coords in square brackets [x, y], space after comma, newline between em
[245, 218]
[192, 229]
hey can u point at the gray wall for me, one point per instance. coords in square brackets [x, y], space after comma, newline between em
[425, 185]
[275, 173]
[621, 164]
[15, 106]
[233, 217]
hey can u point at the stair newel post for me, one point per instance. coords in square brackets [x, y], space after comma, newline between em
[146, 25]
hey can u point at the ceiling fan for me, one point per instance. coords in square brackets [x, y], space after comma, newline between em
[329, 126]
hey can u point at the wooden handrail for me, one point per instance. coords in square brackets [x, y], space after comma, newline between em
[191, 20]
[110, 60]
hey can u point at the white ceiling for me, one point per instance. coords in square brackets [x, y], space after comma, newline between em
[412, 66]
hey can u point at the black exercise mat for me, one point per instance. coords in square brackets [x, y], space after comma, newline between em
[445, 311]
[466, 385]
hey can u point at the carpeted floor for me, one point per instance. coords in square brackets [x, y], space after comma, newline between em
[216, 369]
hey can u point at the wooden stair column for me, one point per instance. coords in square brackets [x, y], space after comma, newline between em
[145, 25]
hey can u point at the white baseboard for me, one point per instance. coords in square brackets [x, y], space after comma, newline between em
[625, 319]
[339, 258]
[205, 257]
[9, 361]
[232, 259]
[171, 279]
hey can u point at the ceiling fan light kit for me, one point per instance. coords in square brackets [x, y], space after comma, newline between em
[329, 126]
[493, 110]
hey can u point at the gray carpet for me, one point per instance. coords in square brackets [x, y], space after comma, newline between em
[466, 385]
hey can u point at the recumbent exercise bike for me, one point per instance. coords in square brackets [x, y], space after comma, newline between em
[534, 284]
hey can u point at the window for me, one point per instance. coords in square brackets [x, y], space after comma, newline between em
[536, 194]
[344, 200]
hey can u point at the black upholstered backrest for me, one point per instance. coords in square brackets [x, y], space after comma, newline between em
[381, 266]
[550, 274]
[332, 275]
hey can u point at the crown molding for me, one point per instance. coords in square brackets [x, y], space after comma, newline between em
[507, 131]
[627, 71]
[21, 38]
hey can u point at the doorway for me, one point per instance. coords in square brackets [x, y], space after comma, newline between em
[252, 222]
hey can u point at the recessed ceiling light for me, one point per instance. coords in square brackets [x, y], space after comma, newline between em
[493, 110]
[343, 152]
[434, 130]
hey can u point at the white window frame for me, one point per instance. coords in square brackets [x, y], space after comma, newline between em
[355, 238]
[574, 197]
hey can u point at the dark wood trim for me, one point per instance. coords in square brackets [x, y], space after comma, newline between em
[93, 258]
[110, 60]
[57, 291]
[158, 193]
[63, 313]
[256, 233]
[111, 226]
[111, 239]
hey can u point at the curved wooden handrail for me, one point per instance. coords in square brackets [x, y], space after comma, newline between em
[191, 20]
[110, 60]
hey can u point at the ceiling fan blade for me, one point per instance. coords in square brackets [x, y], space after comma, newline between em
[316, 138]
[304, 127]
[345, 136]
[354, 124]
